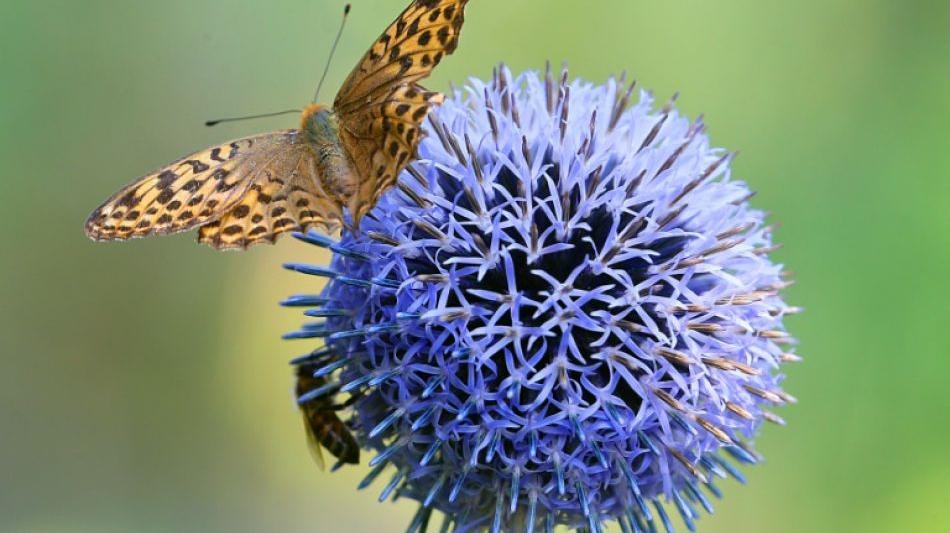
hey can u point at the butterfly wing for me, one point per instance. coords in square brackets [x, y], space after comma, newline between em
[380, 107]
[187, 193]
[284, 195]
[211, 189]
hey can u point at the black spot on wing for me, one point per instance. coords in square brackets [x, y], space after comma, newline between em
[165, 179]
[443, 35]
[196, 166]
[240, 211]
[220, 173]
[165, 196]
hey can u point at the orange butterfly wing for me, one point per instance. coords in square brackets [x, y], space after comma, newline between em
[185, 194]
[211, 188]
[284, 195]
[380, 107]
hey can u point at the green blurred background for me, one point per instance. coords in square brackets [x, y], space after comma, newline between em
[143, 386]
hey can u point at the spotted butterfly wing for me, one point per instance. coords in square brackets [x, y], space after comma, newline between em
[381, 108]
[237, 192]
[285, 194]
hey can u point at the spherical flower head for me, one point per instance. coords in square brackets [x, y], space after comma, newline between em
[564, 314]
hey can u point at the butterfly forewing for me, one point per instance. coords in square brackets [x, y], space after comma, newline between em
[239, 193]
[182, 195]
[406, 52]
[380, 107]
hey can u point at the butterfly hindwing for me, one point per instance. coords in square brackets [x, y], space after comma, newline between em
[285, 195]
[380, 107]
[383, 139]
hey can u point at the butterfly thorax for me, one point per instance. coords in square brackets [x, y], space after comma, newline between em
[321, 131]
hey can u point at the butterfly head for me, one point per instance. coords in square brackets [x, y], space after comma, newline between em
[319, 122]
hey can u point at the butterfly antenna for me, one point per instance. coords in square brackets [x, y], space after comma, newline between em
[346, 11]
[210, 123]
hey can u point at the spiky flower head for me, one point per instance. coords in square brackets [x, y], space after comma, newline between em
[564, 314]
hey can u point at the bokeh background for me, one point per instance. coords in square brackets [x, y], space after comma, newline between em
[143, 386]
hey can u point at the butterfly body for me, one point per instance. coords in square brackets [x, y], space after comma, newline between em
[320, 129]
[343, 157]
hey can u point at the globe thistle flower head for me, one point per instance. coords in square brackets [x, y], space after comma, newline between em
[564, 314]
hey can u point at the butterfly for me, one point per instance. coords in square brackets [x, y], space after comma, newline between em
[252, 190]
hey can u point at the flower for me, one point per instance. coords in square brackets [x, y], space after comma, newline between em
[564, 314]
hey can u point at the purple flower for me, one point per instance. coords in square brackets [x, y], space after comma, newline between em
[564, 314]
